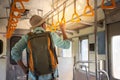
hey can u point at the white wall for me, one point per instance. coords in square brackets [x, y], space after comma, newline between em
[2, 69]
[75, 48]
[3, 60]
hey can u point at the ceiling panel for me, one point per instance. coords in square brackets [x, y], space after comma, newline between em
[5, 3]
[46, 6]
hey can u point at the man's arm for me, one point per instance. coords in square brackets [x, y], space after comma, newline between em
[24, 68]
[62, 27]
[58, 41]
[17, 53]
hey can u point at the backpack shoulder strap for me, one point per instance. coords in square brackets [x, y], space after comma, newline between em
[30, 33]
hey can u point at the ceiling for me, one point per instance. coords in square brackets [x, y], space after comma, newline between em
[42, 7]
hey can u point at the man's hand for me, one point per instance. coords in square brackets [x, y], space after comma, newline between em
[24, 68]
[62, 26]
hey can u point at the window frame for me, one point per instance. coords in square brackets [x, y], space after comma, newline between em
[80, 47]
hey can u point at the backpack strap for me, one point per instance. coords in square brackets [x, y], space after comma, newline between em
[55, 55]
[30, 33]
[27, 63]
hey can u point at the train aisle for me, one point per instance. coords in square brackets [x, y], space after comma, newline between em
[65, 68]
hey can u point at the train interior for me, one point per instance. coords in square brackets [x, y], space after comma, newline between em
[92, 26]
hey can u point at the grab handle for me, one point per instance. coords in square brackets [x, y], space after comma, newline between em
[113, 5]
[90, 8]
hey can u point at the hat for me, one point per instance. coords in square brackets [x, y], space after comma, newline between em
[36, 21]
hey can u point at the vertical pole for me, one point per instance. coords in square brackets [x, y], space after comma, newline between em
[96, 41]
[106, 45]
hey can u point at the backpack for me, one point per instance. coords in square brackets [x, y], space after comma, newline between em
[42, 58]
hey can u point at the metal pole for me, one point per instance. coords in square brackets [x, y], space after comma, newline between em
[96, 41]
[106, 45]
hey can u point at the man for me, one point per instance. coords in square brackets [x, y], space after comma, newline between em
[39, 26]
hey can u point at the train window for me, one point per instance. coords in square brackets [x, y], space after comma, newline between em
[84, 52]
[91, 47]
[1, 46]
[115, 56]
[101, 42]
[67, 52]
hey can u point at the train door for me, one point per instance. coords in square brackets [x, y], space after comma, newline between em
[114, 51]
[14, 72]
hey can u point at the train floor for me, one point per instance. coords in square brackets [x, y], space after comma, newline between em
[65, 68]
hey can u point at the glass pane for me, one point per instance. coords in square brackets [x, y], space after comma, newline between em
[116, 56]
[84, 52]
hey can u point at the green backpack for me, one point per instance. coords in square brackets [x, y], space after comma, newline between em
[42, 57]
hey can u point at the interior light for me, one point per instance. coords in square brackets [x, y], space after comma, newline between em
[79, 7]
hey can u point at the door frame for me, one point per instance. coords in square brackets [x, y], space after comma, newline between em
[108, 49]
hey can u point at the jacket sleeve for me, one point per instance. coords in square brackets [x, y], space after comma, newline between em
[59, 42]
[17, 50]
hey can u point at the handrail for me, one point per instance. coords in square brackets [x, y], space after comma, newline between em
[85, 69]
[75, 14]
[88, 7]
[84, 62]
[113, 5]
[100, 71]
[103, 71]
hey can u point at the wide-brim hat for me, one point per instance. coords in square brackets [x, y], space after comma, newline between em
[36, 21]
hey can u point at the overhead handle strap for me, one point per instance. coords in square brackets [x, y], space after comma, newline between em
[48, 28]
[63, 18]
[15, 13]
[14, 8]
[75, 16]
[113, 5]
[88, 7]
[58, 21]
[13, 20]
[52, 26]
[10, 31]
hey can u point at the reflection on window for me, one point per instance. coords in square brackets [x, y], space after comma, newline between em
[84, 52]
[116, 56]
[67, 52]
